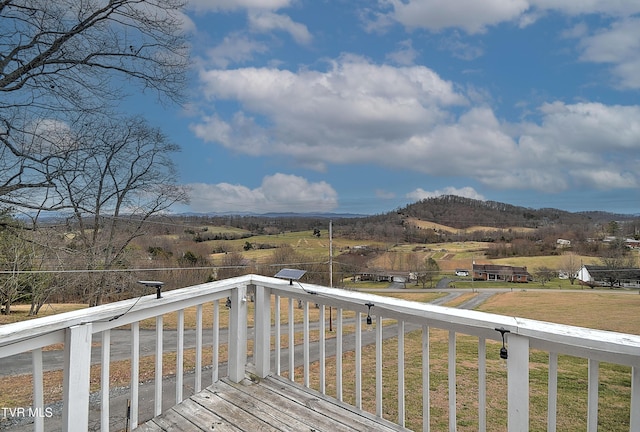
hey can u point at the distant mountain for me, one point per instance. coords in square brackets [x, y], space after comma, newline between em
[317, 215]
[461, 212]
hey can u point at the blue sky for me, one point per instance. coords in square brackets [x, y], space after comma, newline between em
[356, 106]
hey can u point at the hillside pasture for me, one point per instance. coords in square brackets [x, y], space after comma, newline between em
[303, 242]
[550, 261]
[423, 224]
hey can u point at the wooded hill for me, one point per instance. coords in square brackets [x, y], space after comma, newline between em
[460, 212]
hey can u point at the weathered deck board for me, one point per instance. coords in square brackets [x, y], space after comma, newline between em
[272, 404]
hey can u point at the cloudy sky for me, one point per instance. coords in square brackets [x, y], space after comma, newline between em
[355, 106]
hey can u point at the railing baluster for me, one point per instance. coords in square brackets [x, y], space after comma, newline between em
[238, 334]
[77, 367]
[552, 392]
[158, 364]
[105, 362]
[339, 354]
[277, 334]
[135, 372]
[322, 347]
[358, 360]
[452, 381]
[198, 378]
[426, 382]
[379, 365]
[305, 343]
[592, 404]
[401, 408]
[262, 330]
[215, 342]
[180, 356]
[291, 341]
[482, 384]
[634, 421]
[38, 392]
[518, 383]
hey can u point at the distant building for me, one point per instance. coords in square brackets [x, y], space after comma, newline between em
[562, 243]
[375, 277]
[593, 275]
[492, 272]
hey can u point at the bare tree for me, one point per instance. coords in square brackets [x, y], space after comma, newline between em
[543, 274]
[616, 259]
[430, 270]
[570, 266]
[59, 58]
[119, 174]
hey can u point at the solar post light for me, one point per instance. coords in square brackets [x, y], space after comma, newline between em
[291, 274]
[154, 284]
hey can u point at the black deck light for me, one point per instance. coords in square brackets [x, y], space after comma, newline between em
[504, 354]
[369, 306]
[154, 284]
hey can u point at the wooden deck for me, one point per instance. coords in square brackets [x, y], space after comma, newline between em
[272, 404]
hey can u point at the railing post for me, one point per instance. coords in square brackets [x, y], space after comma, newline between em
[38, 391]
[238, 334]
[518, 383]
[77, 365]
[634, 423]
[262, 357]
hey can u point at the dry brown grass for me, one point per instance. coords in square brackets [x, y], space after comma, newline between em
[20, 312]
[613, 311]
[439, 227]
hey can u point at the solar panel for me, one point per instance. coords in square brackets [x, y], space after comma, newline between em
[291, 274]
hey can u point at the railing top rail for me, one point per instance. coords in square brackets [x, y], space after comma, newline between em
[119, 313]
[475, 323]
[467, 321]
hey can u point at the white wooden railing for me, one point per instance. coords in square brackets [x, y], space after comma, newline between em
[75, 331]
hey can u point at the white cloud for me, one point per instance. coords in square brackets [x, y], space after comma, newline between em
[350, 112]
[405, 55]
[277, 193]
[606, 178]
[474, 16]
[577, 31]
[618, 45]
[230, 5]
[467, 192]
[235, 48]
[265, 22]
[587, 144]
[470, 15]
[409, 118]
[47, 136]
[583, 7]
[460, 49]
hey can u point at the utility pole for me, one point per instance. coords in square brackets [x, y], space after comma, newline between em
[330, 269]
[330, 254]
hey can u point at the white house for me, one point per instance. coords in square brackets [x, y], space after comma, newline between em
[593, 275]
